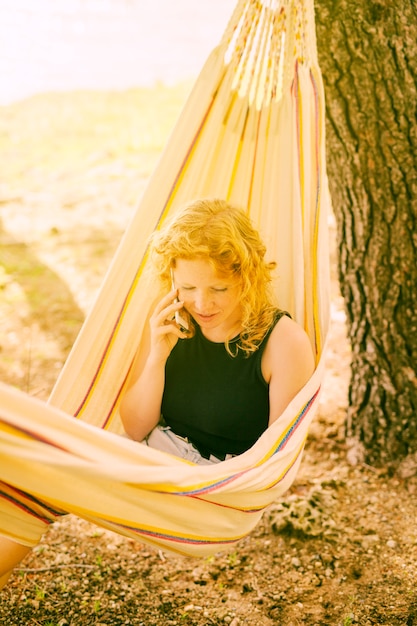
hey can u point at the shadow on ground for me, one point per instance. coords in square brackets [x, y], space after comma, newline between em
[39, 319]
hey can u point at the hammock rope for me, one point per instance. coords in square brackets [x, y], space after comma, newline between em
[251, 132]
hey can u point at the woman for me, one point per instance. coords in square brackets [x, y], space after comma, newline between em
[221, 382]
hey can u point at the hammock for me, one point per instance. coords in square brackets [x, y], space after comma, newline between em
[251, 132]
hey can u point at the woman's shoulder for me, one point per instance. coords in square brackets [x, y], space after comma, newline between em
[277, 316]
[288, 345]
[289, 331]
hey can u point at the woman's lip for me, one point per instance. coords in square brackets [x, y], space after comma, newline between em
[201, 316]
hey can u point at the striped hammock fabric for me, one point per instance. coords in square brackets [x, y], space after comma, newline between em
[252, 132]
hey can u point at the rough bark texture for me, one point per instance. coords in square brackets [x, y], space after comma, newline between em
[368, 56]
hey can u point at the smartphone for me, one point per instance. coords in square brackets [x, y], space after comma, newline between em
[180, 319]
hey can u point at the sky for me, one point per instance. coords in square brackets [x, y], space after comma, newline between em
[61, 45]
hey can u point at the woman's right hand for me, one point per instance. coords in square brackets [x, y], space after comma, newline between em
[140, 408]
[164, 331]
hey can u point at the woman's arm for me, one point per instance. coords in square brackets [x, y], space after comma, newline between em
[287, 364]
[140, 408]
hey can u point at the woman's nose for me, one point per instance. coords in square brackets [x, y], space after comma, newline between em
[201, 301]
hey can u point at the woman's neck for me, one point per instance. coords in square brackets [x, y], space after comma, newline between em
[219, 335]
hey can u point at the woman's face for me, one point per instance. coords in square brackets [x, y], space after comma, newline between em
[212, 299]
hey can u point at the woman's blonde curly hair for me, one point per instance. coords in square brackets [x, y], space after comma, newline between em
[214, 230]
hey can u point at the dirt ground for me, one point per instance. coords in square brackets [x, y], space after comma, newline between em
[339, 549]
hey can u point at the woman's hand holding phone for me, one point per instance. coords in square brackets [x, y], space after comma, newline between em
[141, 406]
[165, 330]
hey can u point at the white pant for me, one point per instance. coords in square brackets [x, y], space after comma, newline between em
[164, 439]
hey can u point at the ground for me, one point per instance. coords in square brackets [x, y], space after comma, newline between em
[340, 549]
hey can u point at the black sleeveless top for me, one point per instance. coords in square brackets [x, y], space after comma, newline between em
[219, 402]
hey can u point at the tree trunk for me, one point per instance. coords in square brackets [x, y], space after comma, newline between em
[368, 56]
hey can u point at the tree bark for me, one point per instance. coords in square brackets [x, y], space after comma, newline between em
[368, 56]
